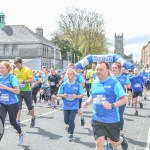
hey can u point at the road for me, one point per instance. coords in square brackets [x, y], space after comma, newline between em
[49, 132]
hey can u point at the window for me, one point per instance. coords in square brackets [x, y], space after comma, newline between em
[6, 50]
[15, 51]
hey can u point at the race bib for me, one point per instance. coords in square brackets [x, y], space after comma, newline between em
[52, 83]
[87, 82]
[69, 97]
[22, 85]
[4, 97]
[99, 99]
[137, 85]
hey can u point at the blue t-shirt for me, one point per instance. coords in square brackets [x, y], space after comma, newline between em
[70, 89]
[109, 90]
[36, 78]
[144, 75]
[123, 79]
[7, 97]
[137, 83]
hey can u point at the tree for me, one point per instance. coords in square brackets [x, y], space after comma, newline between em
[64, 45]
[84, 31]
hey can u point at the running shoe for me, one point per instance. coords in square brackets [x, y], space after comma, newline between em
[57, 102]
[54, 107]
[67, 128]
[124, 143]
[71, 138]
[82, 121]
[141, 105]
[21, 138]
[32, 122]
[136, 113]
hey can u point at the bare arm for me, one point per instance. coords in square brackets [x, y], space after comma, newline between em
[123, 100]
[13, 90]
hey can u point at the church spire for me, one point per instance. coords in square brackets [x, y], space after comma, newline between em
[2, 20]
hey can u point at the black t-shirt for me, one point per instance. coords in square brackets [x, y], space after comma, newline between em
[53, 80]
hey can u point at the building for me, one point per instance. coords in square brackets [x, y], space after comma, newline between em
[32, 47]
[119, 48]
[145, 55]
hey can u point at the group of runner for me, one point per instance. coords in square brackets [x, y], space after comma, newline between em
[106, 87]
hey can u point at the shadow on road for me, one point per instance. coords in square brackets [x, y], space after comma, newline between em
[45, 133]
[89, 133]
[88, 144]
[44, 117]
[134, 142]
[127, 119]
[134, 116]
[26, 147]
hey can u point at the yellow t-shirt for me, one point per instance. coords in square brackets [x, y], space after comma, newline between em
[90, 75]
[24, 74]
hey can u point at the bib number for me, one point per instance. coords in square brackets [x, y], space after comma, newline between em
[99, 99]
[69, 97]
[4, 97]
[22, 85]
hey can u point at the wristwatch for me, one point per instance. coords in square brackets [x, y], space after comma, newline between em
[112, 106]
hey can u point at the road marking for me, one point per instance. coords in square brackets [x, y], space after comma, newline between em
[36, 117]
[148, 141]
[143, 120]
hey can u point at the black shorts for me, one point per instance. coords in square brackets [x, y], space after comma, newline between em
[136, 94]
[27, 97]
[110, 130]
[53, 92]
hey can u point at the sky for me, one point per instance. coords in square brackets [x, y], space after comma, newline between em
[130, 17]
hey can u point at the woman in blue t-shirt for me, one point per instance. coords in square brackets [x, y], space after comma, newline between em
[9, 89]
[70, 92]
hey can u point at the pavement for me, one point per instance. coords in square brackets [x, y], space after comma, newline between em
[49, 132]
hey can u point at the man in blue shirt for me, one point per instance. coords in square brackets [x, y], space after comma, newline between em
[144, 74]
[137, 85]
[107, 95]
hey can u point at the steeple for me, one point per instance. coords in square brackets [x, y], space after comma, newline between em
[2, 20]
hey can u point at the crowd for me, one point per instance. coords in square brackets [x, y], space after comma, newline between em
[109, 88]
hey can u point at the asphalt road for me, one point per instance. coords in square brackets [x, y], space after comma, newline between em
[49, 132]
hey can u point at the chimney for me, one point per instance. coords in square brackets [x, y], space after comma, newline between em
[39, 31]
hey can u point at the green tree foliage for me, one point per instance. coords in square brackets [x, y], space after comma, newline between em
[83, 31]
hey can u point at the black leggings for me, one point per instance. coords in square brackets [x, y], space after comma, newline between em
[34, 94]
[12, 110]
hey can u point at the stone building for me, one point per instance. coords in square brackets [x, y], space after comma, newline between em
[119, 48]
[145, 55]
[32, 47]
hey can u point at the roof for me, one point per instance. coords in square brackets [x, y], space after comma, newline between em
[20, 34]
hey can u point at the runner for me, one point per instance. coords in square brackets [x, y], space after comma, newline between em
[137, 85]
[129, 90]
[107, 95]
[125, 82]
[78, 78]
[25, 77]
[144, 74]
[9, 88]
[53, 80]
[70, 91]
[35, 86]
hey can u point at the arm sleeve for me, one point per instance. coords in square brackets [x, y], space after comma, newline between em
[81, 90]
[14, 81]
[61, 91]
[128, 80]
[119, 91]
